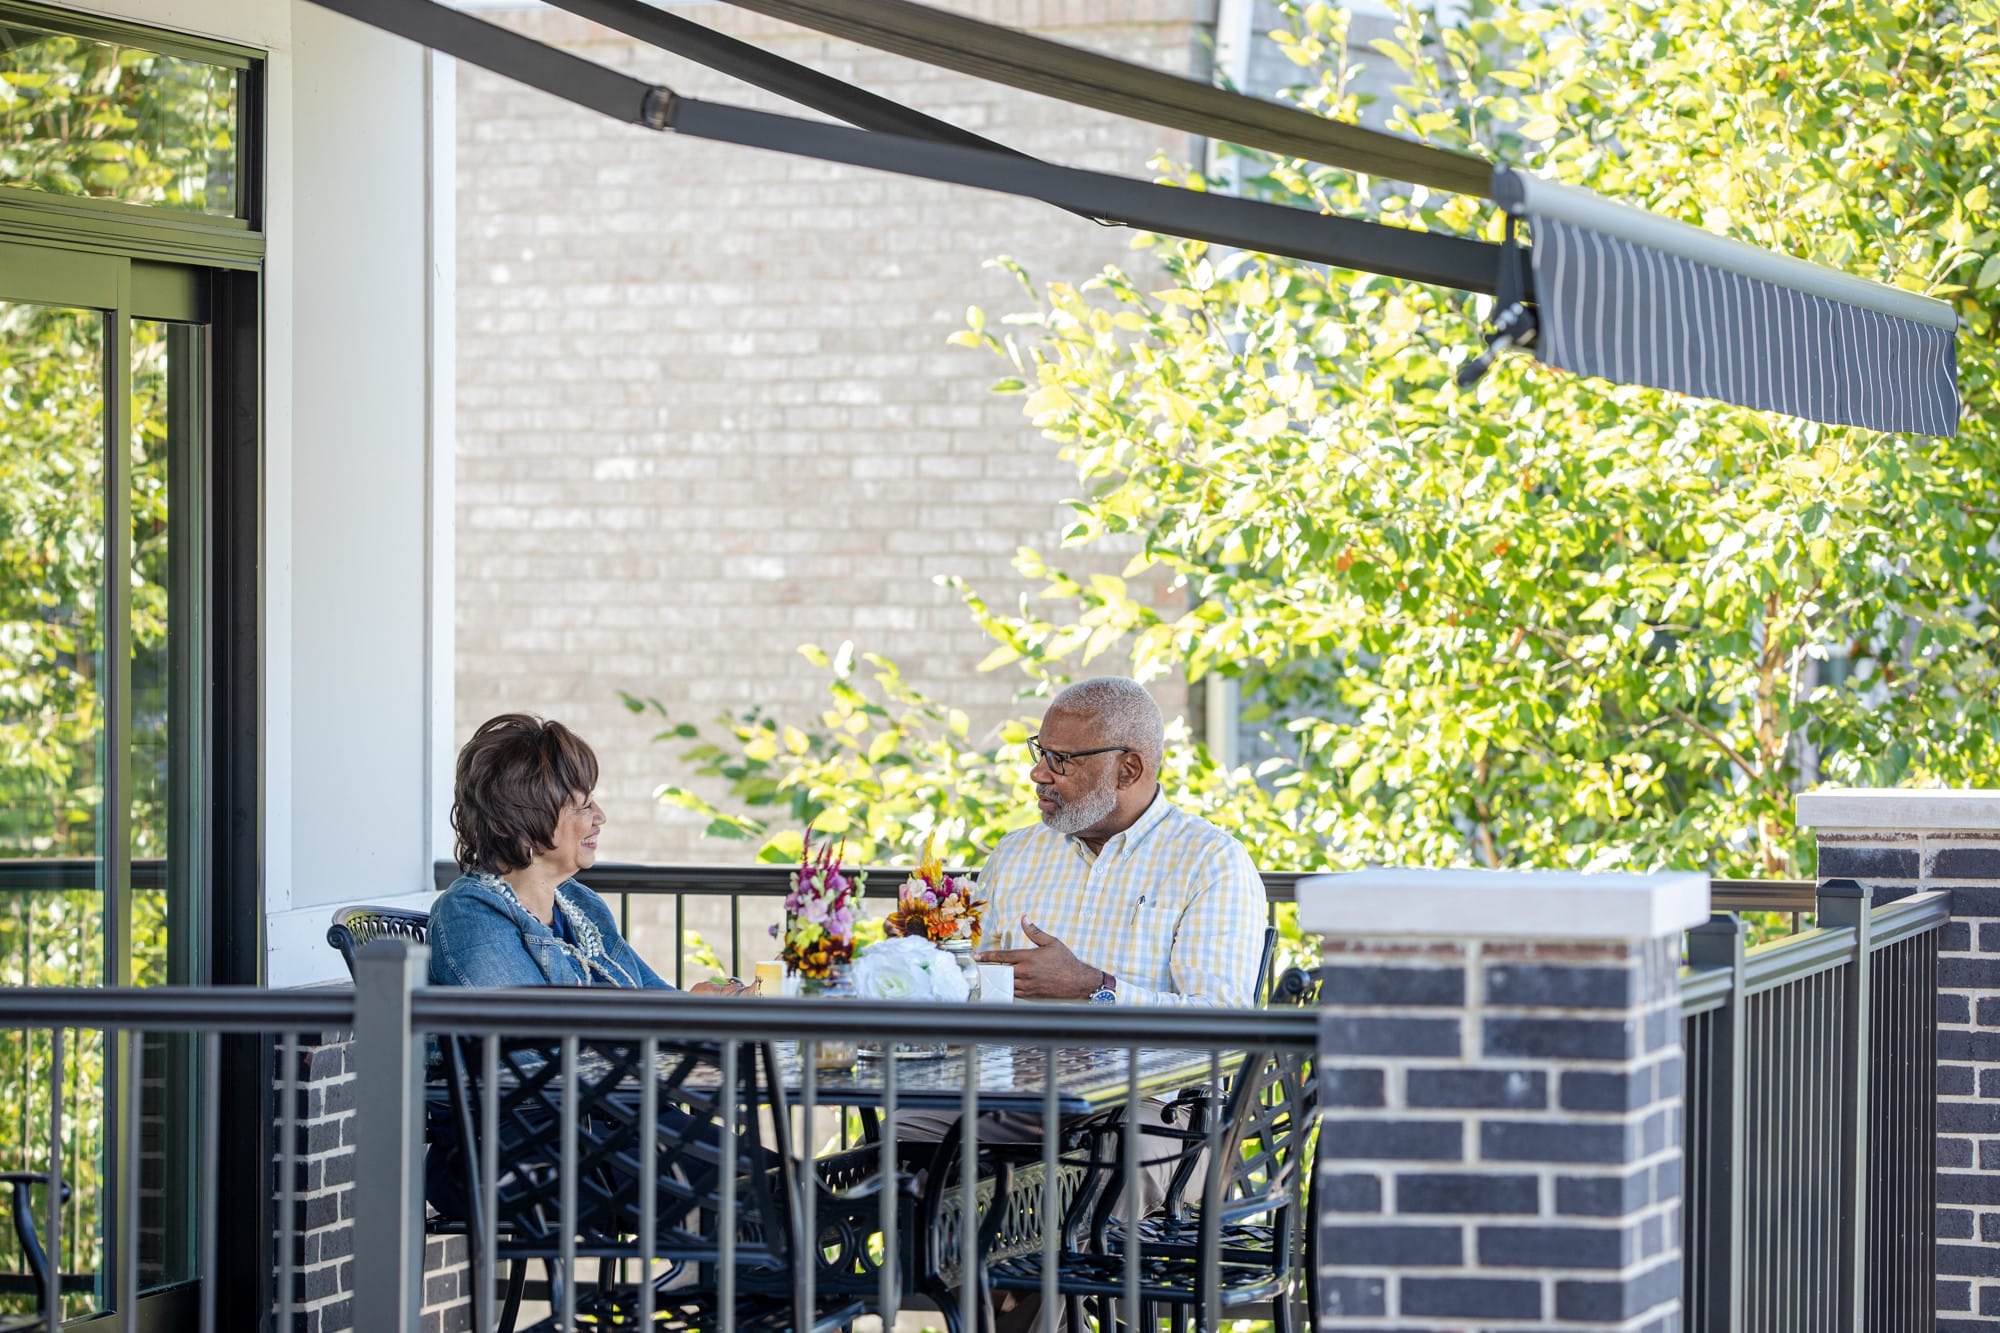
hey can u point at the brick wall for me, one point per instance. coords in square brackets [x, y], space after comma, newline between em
[706, 411]
[1501, 1098]
[323, 1228]
[1911, 847]
[1502, 1137]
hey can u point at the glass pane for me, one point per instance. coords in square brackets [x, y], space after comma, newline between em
[52, 459]
[166, 396]
[85, 117]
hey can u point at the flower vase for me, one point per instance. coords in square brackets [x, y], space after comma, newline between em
[961, 953]
[832, 1054]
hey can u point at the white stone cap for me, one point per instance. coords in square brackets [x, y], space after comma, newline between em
[1502, 904]
[1900, 809]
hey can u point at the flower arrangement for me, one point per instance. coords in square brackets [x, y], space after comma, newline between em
[909, 968]
[819, 911]
[934, 906]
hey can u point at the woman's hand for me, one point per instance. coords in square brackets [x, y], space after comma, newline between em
[729, 986]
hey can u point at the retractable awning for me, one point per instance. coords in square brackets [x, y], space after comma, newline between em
[1630, 297]
[1627, 296]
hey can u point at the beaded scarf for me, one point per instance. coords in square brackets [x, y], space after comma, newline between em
[589, 947]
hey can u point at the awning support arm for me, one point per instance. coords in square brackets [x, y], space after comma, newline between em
[1247, 224]
[1089, 78]
[1447, 261]
[522, 59]
[774, 74]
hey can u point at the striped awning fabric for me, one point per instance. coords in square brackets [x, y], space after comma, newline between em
[1636, 299]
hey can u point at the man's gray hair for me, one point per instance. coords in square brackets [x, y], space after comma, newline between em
[1124, 711]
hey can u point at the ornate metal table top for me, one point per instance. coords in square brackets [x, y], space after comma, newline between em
[1014, 1078]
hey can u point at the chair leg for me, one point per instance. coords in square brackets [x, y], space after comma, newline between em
[510, 1308]
[1283, 1310]
[558, 1279]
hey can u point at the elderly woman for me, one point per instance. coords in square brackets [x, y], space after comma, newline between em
[527, 825]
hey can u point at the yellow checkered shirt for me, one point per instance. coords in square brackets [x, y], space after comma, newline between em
[1172, 907]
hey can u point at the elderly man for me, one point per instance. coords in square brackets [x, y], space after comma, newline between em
[1118, 896]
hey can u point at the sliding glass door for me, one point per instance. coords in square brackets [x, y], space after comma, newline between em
[131, 255]
[102, 879]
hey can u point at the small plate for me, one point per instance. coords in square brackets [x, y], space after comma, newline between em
[907, 1050]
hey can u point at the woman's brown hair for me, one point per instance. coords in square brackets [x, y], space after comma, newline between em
[515, 776]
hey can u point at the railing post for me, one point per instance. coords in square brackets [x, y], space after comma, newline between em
[1843, 905]
[1501, 1077]
[388, 1158]
[1717, 943]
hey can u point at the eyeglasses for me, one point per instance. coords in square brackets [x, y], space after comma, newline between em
[1059, 761]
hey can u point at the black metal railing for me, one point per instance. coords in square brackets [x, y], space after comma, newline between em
[133, 1035]
[709, 898]
[1058, 1089]
[1074, 1068]
[1808, 1128]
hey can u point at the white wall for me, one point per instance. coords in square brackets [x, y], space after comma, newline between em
[349, 489]
[359, 516]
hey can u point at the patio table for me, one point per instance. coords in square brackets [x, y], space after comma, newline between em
[1010, 1079]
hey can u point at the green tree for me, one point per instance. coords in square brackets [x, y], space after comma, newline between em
[1544, 621]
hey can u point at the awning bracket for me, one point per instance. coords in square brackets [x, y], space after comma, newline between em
[1515, 320]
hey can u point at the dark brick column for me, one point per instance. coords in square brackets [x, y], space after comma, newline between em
[323, 1238]
[1500, 1142]
[1899, 842]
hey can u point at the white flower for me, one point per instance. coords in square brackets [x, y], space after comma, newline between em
[894, 970]
[908, 968]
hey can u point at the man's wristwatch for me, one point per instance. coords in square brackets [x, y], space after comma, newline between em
[1107, 990]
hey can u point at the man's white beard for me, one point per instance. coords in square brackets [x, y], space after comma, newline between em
[1071, 817]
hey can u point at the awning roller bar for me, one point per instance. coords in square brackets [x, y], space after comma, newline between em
[1523, 194]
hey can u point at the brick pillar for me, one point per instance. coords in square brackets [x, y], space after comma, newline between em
[1500, 1062]
[1899, 842]
[323, 1250]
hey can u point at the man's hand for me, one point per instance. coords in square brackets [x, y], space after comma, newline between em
[729, 987]
[1049, 971]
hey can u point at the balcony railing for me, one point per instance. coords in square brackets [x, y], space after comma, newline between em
[1809, 1121]
[710, 898]
[1808, 1059]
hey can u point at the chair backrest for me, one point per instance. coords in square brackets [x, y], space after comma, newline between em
[354, 926]
[1270, 1110]
[1269, 952]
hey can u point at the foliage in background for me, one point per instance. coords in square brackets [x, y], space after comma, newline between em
[1545, 621]
[88, 118]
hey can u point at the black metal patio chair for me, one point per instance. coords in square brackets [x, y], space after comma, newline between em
[353, 927]
[686, 1171]
[21, 1187]
[1258, 1250]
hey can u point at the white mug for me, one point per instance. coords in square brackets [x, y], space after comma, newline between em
[996, 982]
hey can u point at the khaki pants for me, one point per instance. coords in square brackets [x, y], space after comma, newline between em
[1020, 1312]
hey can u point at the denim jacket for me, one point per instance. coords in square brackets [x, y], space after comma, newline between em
[480, 936]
